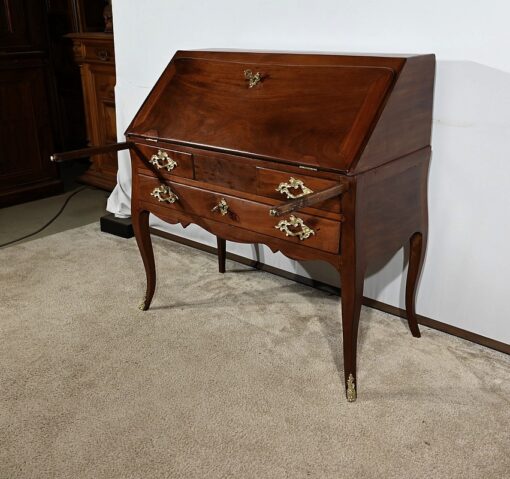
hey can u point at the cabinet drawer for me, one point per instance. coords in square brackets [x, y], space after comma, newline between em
[164, 161]
[307, 230]
[98, 52]
[285, 186]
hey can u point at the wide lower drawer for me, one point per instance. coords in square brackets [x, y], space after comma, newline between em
[300, 228]
[163, 161]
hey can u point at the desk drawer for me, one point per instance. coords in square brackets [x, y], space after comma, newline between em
[307, 230]
[164, 161]
[285, 186]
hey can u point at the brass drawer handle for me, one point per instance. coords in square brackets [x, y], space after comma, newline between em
[295, 222]
[252, 78]
[284, 188]
[164, 194]
[162, 160]
[222, 207]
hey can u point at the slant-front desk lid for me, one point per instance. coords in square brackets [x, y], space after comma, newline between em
[319, 111]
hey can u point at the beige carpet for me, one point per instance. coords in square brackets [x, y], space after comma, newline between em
[227, 376]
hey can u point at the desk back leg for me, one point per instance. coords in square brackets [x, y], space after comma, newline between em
[416, 256]
[140, 220]
[222, 252]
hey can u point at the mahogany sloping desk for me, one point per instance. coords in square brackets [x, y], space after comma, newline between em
[319, 156]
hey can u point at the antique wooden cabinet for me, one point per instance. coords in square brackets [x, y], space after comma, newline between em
[94, 53]
[27, 119]
[317, 156]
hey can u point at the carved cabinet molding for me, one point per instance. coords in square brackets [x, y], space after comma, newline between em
[94, 53]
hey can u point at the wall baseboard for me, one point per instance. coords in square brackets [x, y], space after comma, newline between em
[372, 303]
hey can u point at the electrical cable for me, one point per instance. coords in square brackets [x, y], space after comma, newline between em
[50, 221]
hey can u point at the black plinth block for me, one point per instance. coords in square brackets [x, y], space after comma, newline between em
[117, 226]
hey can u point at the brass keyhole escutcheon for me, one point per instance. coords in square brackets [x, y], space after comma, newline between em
[222, 207]
[252, 78]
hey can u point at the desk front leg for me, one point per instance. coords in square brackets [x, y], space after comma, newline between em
[140, 220]
[352, 273]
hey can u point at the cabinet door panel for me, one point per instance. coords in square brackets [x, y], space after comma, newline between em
[21, 25]
[25, 126]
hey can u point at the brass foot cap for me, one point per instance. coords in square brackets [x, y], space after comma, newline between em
[143, 306]
[351, 389]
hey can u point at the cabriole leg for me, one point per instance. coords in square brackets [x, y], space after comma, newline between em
[416, 256]
[352, 294]
[140, 220]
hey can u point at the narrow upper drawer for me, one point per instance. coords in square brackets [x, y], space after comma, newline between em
[163, 161]
[286, 186]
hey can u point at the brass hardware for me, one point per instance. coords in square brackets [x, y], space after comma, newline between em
[222, 207]
[142, 305]
[252, 78]
[273, 212]
[164, 194]
[351, 389]
[103, 55]
[284, 188]
[295, 222]
[162, 160]
[308, 168]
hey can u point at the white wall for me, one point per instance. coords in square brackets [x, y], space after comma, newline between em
[465, 277]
